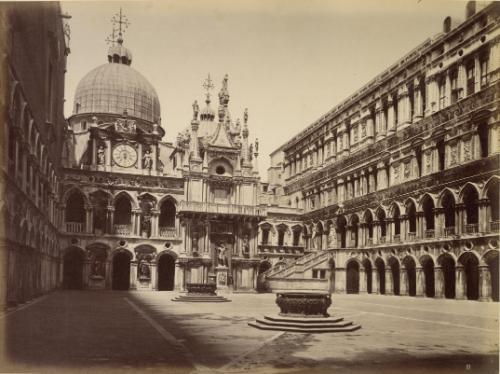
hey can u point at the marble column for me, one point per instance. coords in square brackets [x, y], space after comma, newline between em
[460, 282]
[389, 283]
[404, 285]
[484, 283]
[420, 281]
[438, 282]
[362, 281]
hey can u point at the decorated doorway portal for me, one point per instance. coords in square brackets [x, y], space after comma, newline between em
[121, 271]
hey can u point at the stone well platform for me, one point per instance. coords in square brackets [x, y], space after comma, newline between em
[304, 312]
[201, 293]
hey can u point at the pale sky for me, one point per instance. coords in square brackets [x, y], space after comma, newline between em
[288, 61]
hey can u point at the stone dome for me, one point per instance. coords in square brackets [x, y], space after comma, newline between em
[114, 88]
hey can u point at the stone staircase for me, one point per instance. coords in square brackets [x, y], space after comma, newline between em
[306, 325]
[300, 265]
[201, 298]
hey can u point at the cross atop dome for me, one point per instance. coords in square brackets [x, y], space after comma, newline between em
[117, 52]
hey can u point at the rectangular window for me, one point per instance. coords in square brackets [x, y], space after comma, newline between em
[470, 79]
[319, 274]
[484, 71]
[454, 86]
[442, 93]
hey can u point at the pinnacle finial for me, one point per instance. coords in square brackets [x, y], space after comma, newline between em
[208, 85]
[245, 116]
[120, 23]
[196, 110]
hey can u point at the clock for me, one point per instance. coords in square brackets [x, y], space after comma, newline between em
[124, 155]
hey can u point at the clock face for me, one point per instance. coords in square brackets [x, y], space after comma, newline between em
[124, 155]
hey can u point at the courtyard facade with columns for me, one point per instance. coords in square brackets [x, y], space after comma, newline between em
[397, 186]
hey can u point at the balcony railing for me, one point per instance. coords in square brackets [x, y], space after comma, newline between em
[412, 236]
[230, 209]
[382, 240]
[287, 249]
[397, 238]
[471, 228]
[168, 232]
[430, 233]
[495, 226]
[449, 231]
[123, 230]
[369, 241]
[76, 227]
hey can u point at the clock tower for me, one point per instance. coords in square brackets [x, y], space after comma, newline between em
[116, 124]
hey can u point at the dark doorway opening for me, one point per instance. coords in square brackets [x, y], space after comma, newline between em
[166, 273]
[73, 269]
[352, 277]
[394, 265]
[493, 266]
[411, 276]
[448, 266]
[428, 268]
[121, 271]
[379, 264]
[471, 277]
[368, 273]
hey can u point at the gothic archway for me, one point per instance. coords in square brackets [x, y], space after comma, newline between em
[471, 271]
[380, 267]
[448, 268]
[368, 274]
[352, 275]
[428, 269]
[411, 275]
[73, 269]
[121, 271]
[166, 272]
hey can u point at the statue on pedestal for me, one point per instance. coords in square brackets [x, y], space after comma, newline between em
[147, 160]
[221, 255]
[101, 156]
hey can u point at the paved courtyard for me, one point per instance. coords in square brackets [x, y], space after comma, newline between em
[130, 332]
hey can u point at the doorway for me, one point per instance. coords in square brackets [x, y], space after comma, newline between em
[166, 273]
[121, 271]
[73, 269]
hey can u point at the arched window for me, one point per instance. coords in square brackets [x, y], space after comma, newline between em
[369, 227]
[341, 231]
[470, 199]
[428, 208]
[354, 230]
[493, 200]
[397, 222]
[382, 223]
[265, 234]
[75, 212]
[100, 203]
[482, 131]
[281, 235]
[123, 211]
[75, 208]
[296, 236]
[448, 204]
[167, 214]
[412, 218]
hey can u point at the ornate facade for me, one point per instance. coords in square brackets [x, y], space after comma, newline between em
[397, 186]
[393, 191]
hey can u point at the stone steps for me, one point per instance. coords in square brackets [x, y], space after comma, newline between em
[201, 299]
[306, 325]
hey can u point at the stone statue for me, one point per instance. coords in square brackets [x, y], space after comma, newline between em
[101, 157]
[147, 160]
[146, 224]
[97, 268]
[256, 145]
[246, 247]
[221, 256]
[196, 110]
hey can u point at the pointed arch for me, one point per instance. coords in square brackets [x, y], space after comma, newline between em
[133, 201]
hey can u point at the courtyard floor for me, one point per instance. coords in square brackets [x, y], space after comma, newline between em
[131, 332]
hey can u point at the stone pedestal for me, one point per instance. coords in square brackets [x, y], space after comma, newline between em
[221, 273]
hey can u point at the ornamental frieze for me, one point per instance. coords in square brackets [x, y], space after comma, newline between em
[123, 181]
